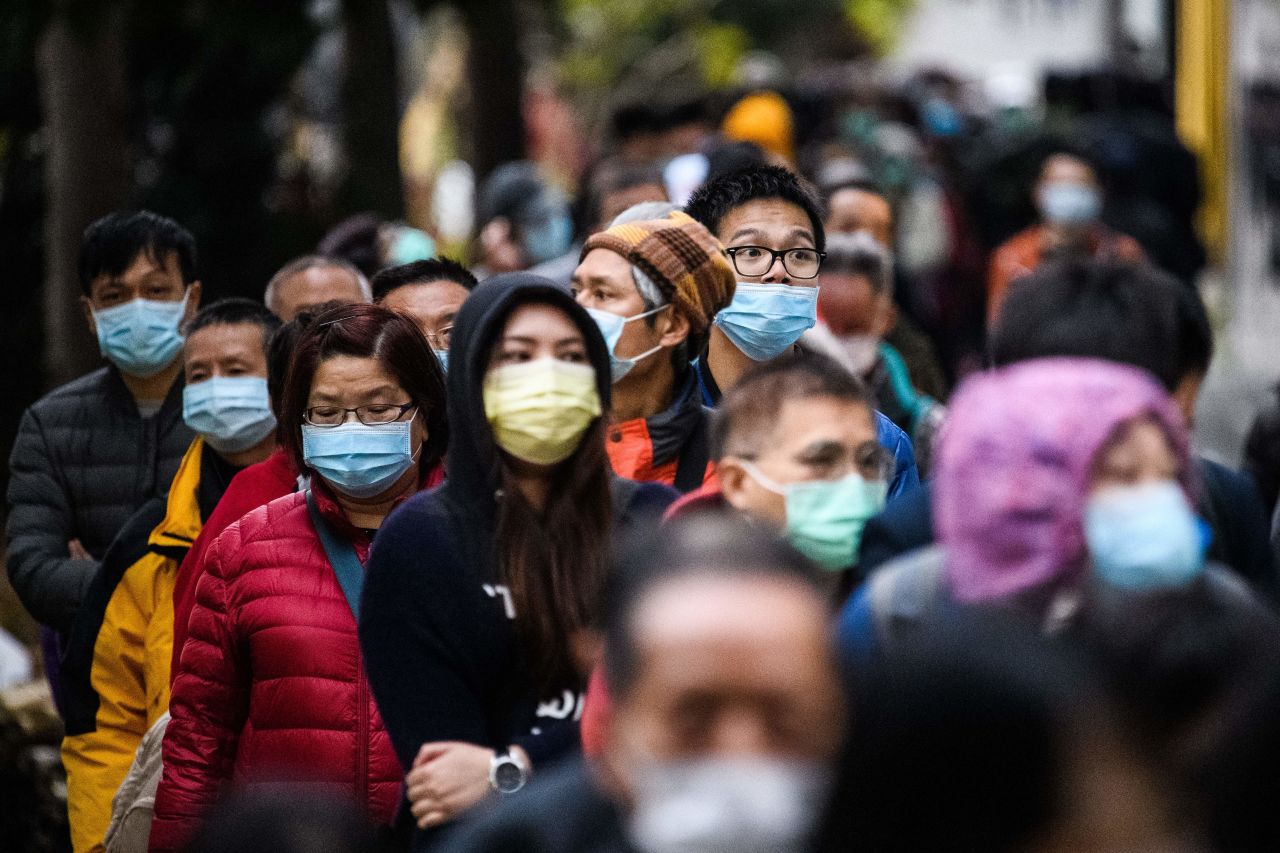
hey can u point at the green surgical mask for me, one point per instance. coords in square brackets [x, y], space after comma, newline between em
[825, 517]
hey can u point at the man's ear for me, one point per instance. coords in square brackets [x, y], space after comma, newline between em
[194, 292]
[733, 479]
[86, 305]
[887, 318]
[677, 329]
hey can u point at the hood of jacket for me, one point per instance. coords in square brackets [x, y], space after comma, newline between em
[473, 465]
[1014, 462]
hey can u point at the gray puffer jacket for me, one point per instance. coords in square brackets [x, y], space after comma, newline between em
[83, 462]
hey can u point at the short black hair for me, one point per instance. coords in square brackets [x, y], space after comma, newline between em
[1195, 335]
[1125, 312]
[706, 543]
[421, 272]
[749, 409]
[233, 311]
[113, 242]
[716, 198]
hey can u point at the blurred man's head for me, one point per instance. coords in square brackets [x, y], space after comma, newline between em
[615, 187]
[429, 292]
[716, 709]
[523, 220]
[1118, 311]
[1067, 192]
[313, 280]
[860, 207]
[857, 286]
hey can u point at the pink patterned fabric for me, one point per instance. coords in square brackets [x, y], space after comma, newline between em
[1013, 468]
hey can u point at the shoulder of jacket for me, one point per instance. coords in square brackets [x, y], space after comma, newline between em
[91, 385]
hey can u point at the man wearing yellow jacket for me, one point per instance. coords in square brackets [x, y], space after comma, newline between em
[117, 660]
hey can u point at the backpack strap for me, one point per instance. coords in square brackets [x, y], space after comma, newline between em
[691, 467]
[342, 556]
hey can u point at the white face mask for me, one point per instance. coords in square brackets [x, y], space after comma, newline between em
[718, 805]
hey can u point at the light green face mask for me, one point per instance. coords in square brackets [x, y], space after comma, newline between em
[825, 517]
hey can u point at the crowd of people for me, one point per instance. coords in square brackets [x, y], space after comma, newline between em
[688, 531]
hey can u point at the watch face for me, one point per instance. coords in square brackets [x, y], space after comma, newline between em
[508, 777]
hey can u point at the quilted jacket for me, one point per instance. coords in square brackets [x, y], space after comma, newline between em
[271, 686]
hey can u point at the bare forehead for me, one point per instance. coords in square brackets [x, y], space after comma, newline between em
[725, 605]
[773, 218]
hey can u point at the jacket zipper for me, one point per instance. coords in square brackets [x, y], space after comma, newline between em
[362, 738]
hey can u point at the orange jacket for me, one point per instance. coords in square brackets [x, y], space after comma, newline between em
[670, 447]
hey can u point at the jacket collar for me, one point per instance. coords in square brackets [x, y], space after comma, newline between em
[182, 522]
[121, 397]
[331, 510]
[669, 430]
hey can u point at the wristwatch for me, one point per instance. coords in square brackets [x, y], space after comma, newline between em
[508, 772]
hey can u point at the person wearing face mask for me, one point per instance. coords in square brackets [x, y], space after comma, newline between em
[1068, 197]
[477, 590]
[771, 226]
[116, 665]
[89, 454]
[270, 684]
[857, 311]
[430, 293]
[749, 770]
[653, 288]
[1058, 481]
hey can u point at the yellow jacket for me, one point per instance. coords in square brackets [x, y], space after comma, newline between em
[130, 666]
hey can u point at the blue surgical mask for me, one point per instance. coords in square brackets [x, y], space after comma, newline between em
[233, 413]
[611, 326]
[443, 356]
[549, 238]
[360, 460]
[1144, 537]
[1067, 203]
[825, 518]
[141, 336]
[763, 320]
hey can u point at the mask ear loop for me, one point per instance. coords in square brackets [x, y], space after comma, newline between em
[636, 359]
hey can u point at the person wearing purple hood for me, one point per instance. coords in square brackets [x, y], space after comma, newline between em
[1058, 480]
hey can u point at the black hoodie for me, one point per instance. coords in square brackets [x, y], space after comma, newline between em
[436, 630]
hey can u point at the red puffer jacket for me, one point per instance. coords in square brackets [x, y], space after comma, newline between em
[271, 687]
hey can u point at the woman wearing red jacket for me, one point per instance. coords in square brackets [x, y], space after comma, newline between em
[271, 687]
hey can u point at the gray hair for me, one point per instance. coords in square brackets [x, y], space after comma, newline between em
[860, 254]
[645, 211]
[308, 262]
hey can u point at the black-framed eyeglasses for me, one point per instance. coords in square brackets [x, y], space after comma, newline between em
[371, 415]
[758, 260]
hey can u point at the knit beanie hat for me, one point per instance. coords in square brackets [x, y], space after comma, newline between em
[682, 258]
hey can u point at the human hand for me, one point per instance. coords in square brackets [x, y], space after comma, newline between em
[76, 551]
[447, 778]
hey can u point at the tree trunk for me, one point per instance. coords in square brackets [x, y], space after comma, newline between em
[81, 66]
[370, 111]
[496, 77]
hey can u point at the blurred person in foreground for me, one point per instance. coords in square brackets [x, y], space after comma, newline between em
[116, 666]
[1059, 482]
[89, 454]
[723, 724]
[430, 293]
[856, 313]
[1131, 314]
[1068, 196]
[770, 224]
[980, 735]
[312, 280]
[653, 288]
[270, 685]
[477, 590]
[521, 220]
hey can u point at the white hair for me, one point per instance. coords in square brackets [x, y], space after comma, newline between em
[307, 262]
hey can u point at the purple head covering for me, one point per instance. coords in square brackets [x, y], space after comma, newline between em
[1014, 461]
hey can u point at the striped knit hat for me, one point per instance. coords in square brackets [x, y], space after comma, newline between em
[682, 258]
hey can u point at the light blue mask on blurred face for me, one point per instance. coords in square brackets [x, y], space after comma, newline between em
[763, 320]
[141, 336]
[233, 413]
[548, 238]
[1144, 537]
[1066, 203]
[442, 355]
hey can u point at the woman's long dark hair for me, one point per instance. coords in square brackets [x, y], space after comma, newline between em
[553, 560]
